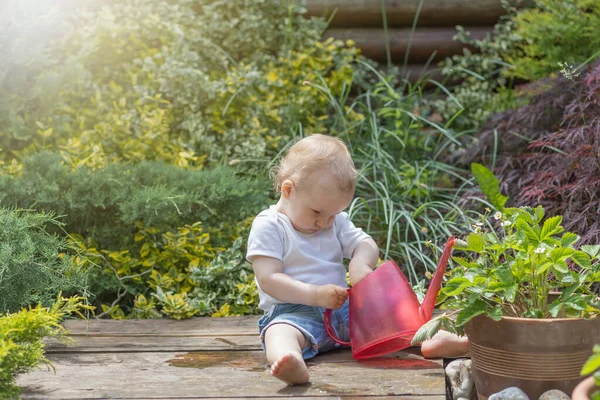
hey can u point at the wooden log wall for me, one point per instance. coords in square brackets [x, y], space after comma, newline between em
[362, 22]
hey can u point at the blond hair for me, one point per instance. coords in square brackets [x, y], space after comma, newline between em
[310, 157]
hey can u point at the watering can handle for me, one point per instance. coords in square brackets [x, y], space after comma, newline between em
[329, 328]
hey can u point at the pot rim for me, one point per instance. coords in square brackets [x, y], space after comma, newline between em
[543, 320]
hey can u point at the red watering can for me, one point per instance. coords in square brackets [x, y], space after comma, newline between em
[385, 312]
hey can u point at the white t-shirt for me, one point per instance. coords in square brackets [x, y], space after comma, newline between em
[311, 258]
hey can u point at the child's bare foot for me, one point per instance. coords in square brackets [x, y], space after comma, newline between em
[291, 369]
[445, 344]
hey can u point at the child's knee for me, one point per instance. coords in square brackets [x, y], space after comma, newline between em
[282, 331]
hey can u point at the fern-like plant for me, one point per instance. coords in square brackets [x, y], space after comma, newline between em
[33, 268]
[21, 334]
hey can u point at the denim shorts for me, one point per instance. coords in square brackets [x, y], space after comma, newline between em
[309, 321]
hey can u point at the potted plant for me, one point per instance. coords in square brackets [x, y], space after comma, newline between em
[589, 388]
[499, 291]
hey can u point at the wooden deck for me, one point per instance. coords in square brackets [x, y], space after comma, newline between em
[212, 358]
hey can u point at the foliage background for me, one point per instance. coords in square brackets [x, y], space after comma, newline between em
[147, 127]
[135, 136]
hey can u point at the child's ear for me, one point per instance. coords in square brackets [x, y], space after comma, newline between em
[287, 187]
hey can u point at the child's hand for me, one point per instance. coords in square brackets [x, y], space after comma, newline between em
[358, 273]
[331, 296]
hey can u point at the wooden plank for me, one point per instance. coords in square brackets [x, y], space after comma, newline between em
[115, 344]
[193, 327]
[109, 344]
[367, 13]
[321, 397]
[424, 42]
[222, 374]
[203, 326]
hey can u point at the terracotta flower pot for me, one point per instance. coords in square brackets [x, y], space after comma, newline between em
[535, 355]
[584, 390]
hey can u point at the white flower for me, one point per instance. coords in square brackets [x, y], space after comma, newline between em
[460, 242]
[498, 215]
[569, 71]
[479, 224]
[540, 250]
[506, 223]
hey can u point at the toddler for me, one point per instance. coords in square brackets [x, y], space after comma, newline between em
[297, 247]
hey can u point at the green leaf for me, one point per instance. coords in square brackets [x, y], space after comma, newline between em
[560, 266]
[478, 307]
[571, 277]
[591, 365]
[568, 291]
[496, 313]
[561, 253]
[543, 268]
[456, 286]
[520, 213]
[504, 275]
[511, 293]
[551, 227]
[581, 259]
[427, 330]
[576, 302]
[450, 326]
[464, 262]
[568, 239]
[539, 213]
[555, 307]
[489, 185]
[591, 250]
[596, 393]
[475, 242]
[528, 231]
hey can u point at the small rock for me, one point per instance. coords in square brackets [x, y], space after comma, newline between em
[511, 393]
[459, 375]
[554, 394]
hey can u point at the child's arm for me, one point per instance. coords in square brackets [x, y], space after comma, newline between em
[272, 281]
[363, 260]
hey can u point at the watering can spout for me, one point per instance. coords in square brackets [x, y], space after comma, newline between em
[426, 309]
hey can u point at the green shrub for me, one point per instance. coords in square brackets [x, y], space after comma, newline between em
[182, 82]
[104, 205]
[30, 80]
[225, 287]
[21, 339]
[483, 87]
[33, 264]
[554, 31]
[175, 274]
[527, 43]
[138, 229]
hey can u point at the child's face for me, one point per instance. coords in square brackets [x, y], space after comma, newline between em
[312, 209]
